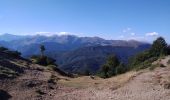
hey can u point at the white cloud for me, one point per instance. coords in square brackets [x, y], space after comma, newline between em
[152, 34]
[63, 33]
[133, 34]
[126, 30]
[121, 37]
[138, 38]
[54, 33]
[42, 32]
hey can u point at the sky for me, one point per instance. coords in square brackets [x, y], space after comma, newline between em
[142, 20]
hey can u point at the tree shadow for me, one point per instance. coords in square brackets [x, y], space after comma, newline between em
[4, 95]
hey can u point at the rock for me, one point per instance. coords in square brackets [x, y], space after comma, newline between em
[32, 83]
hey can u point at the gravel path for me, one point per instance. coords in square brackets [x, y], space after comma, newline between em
[146, 86]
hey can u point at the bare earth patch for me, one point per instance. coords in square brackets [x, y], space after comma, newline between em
[37, 83]
[145, 85]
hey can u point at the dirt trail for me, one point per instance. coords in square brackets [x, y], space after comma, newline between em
[34, 85]
[145, 86]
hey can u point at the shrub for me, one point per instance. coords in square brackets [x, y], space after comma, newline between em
[52, 67]
[153, 67]
[168, 62]
[3, 49]
[53, 79]
[121, 69]
[111, 68]
[13, 53]
[166, 85]
[40, 92]
[50, 61]
[145, 59]
[162, 65]
[43, 60]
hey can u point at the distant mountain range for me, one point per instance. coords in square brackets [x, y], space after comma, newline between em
[74, 54]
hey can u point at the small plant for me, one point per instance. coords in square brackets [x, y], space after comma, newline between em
[52, 67]
[43, 60]
[13, 53]
[52, 79]
[167, 85]
[153, 67]
[168, 62]
[40, 92]
[162, 65]
[3, 49]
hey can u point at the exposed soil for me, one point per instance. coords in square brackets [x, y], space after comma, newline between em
[38, 83]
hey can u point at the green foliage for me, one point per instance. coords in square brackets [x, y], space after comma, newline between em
[105, 69]
[152, 67]
[111, 68]
[53, 79]
[52, 67]
[138, 59]
[50, 61]
[145, 59]
[11, 53]
[87, 72]
[8, 73]
[121, 69]
[112, 61]
[40, 92]
[42, 49]
[3, 49]
[159, 47]
[168, 62]
[43, 60]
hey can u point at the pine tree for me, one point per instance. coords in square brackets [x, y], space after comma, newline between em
[159, 47]
[42, 49]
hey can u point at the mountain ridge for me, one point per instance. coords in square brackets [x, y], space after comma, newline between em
[65, 47]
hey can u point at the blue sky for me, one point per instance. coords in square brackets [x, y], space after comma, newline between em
[111, 19]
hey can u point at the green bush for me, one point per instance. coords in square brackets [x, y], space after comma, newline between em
[13, 53]
[168, 62]
[52, 67]
[3, 49]
[152, 67]
[50, 61]
[121, 69]
[111, 68]
[145, 59]
[43, 60]
[40, 92]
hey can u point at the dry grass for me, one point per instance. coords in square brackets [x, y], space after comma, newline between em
[99, 83]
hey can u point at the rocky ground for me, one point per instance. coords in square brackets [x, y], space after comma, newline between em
[146, 85]
[39, 83]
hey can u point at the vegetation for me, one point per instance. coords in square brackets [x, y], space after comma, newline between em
[142, 60]
[112, 67]
[40, 92]
[42, 49]
[11, 53]
[44, 60]
[145, 59]
[7, 73]
[3, 49]
[168, 62]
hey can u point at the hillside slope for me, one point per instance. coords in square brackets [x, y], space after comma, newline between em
[144, 85]
[22, 80]
[35, 82]
[92, 57]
